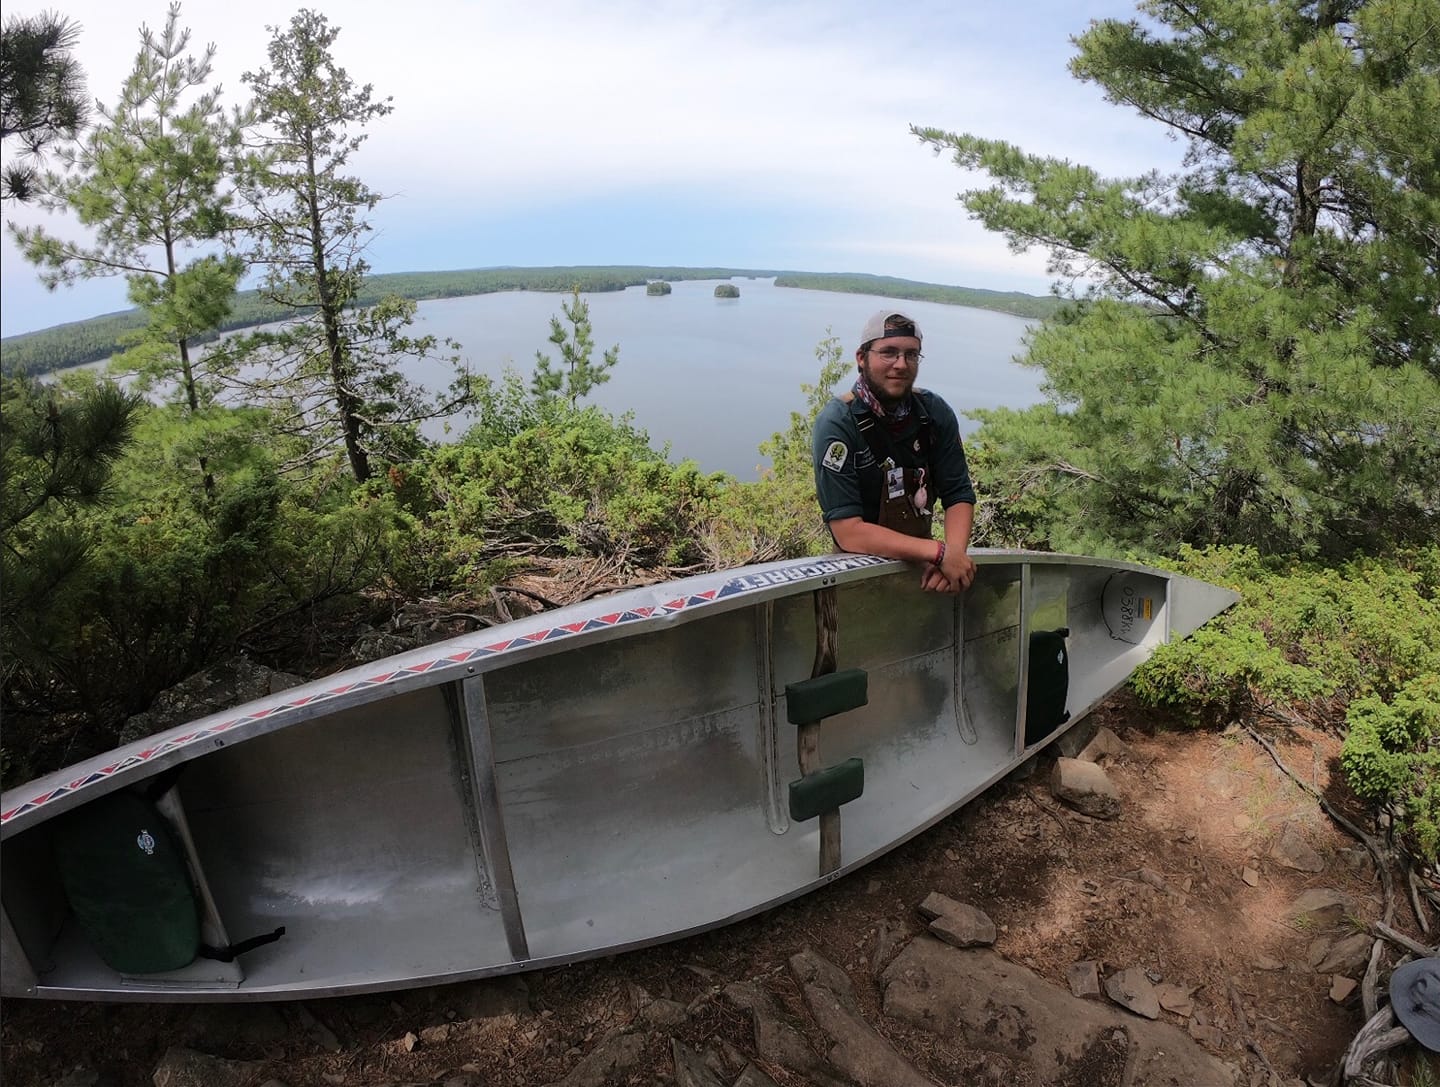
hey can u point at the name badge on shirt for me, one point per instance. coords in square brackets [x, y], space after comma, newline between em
[895, 482]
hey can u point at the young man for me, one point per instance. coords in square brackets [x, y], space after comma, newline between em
[884, 453]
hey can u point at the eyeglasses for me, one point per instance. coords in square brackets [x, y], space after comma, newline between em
[893, 354]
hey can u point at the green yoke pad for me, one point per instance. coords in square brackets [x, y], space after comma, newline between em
[824, 696]
[825, 790]
[128, 884]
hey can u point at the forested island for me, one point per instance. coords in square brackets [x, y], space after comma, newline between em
[79, 342]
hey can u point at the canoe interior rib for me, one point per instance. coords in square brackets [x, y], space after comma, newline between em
[616, 793]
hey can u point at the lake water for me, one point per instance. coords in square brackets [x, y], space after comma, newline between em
[715, 377]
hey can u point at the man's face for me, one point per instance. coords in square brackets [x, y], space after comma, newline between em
[889, 367]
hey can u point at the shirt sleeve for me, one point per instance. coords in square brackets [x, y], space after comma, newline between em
[947, 456]
[837, 482]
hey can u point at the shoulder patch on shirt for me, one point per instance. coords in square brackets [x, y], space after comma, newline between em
[834, 458]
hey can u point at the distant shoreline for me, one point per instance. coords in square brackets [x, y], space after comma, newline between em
[78, 342]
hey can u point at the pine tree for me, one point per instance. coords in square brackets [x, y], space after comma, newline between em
[149, 180]
[1255, 353]
[42, 93]
[57, 449]
[335, 371]
[580, 376]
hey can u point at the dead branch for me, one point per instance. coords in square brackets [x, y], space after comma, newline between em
[1379, 1035]
[1412, 884]
[530, 594]
[1370, 984]
[1250, 1041]
[1401, 940]
[605, 589]
[468, 616]
[1371, 847]
[501, 608]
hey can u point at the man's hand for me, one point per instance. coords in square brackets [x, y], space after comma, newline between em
[959, 569]
[933, 581]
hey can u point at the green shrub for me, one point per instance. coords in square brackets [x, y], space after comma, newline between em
[1362, 639]
[1301, 632]
[656, 287]
[575, 481]
[1392, 755]
[1218, 675]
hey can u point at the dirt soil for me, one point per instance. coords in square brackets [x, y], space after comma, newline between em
[1199, 809]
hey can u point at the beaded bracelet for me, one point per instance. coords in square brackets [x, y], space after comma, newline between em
[940, 553]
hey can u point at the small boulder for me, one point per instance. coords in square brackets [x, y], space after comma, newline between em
[974, 929]
[1293, 851]
[1085, 787]
[1132, 990]
[615, 1057]
[664, 1013]
[1322, 906]
[1347, 955]
[888, 938]
[182, 1067]
[1103, 745]
[1176, 998]
[690, 1067]
[1073, 740]
[956, 922]
[1084, 978]
[753, 1077]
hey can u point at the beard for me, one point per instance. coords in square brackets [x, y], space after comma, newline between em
[887, 397]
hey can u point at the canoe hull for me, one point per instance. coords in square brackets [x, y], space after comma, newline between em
[588, 781]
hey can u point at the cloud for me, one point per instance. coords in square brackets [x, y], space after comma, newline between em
[779, 131]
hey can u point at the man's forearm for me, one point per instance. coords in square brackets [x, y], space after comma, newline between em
[958, 520]
[862, 537]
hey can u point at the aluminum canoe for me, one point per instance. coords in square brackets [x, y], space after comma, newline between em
[583, 781]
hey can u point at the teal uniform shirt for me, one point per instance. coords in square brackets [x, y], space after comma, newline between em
[847, 476]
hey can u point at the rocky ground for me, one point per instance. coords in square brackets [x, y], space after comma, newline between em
[1204, 923]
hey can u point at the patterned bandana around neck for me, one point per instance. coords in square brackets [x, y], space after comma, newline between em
[862, 390]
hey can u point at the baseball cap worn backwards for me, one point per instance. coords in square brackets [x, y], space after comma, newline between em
[1415, 995]
[888, 323]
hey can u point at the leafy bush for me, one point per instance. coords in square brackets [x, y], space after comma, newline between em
[1392, 755]
[1364, 635]
[1302, 631]
[552, 477]
[176, 578]
[1218, 675]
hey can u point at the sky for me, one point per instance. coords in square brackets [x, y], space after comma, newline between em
[734, 133]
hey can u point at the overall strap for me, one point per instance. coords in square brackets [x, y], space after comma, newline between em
[875, 436]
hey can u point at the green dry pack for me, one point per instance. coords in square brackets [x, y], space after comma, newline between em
[128, 885]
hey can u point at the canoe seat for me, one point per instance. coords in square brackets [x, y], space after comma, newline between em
[825, 790]
[825, 696]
